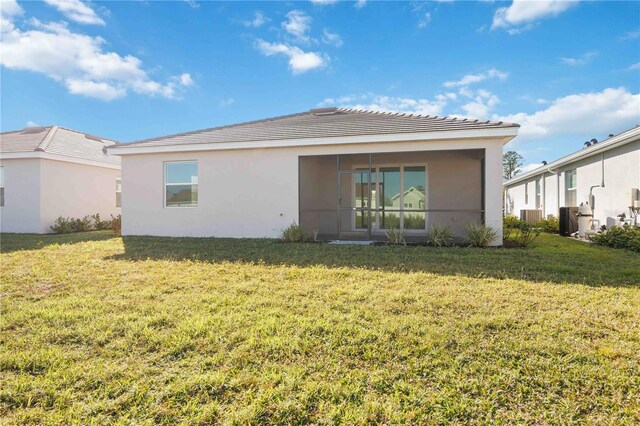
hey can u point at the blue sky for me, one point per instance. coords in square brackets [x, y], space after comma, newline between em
[567, 71]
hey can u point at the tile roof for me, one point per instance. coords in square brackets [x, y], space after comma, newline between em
[321, 123]
[58, 140]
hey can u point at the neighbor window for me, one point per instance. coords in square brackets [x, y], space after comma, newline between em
[181, 184]
[1, 186]
[118, 192]
[570, 188]
[538, 194]
[526, 193]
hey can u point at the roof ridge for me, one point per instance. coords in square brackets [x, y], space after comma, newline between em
[44, 143]
[225, 126]
[87, 134]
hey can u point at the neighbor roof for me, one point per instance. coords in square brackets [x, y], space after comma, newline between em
[321, 123]
[628, 136]
[57, 140]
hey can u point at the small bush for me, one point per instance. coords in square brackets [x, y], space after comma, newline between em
[550, 225]
[480, 235]
[62, 225]
[294, 234]
[116, 224]
[100, 225]
[510, 222]
[625, 237]
[395, 236]
[440, 235]
[81, 225]
[521, 235]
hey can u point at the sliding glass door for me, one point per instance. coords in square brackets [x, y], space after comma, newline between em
[397, 197]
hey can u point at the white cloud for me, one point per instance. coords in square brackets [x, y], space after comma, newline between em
[580, 60]
[79, 62]
[226, 102]
[481, 105]
[193, 3]
[529, 167]
[298, 24]
[299, 60]
[630, 35]
[424, 20]
[476, 78]
[634, 67]
[258, 20]
[76, 11]
[331, 38]
[360, 4]
[522, 14]
[31, 124]
[185, 79]
[585, 113]
[372, 102]
[324, 2]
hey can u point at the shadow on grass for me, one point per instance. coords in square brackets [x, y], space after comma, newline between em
[15, 242]
[553, 259]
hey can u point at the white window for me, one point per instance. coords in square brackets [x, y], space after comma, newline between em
[118, 192]
[181, 184]
[538, 194]
[570, 188]
[1, 186]
[526, 193]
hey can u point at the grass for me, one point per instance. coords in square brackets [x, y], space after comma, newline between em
[97, 329]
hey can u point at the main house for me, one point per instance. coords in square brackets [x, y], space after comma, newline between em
[47, 172]
[342, 173]
[604, 174]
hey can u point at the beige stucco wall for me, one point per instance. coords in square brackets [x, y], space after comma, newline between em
[21, 210]
[37, 191]
[76, 190]
[254, 192]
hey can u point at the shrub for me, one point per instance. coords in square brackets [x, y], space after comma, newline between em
[550, 225]
[100, 225]
[480, 235]
[116, 224]
[522, 235]
[625, 237]
[440, 235]
[395, 236]
[294, 234]
[62, 225]
[510, 222]
[81, 225]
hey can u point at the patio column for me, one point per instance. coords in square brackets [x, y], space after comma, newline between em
[493, 189]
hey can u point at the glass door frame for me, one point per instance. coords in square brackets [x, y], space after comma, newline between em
[353, 207]
[379, 209]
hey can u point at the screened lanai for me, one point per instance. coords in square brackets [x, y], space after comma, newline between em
[362, 196]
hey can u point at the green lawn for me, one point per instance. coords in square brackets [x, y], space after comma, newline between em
[100, 329]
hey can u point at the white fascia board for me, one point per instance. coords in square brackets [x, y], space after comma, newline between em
[621, 139]
[56, 157]
[506, 134]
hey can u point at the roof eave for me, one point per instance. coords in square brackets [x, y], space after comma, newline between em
[628, 136]
[505, 134]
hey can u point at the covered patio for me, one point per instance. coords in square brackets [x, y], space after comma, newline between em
[362, 196]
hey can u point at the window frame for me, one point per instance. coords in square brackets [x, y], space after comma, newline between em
[119, 192]
[538, 193]
[573, 188]
[165, 184]
[1, 186]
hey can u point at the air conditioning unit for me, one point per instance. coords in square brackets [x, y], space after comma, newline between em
[531, 216]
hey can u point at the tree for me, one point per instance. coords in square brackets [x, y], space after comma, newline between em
[511, 163]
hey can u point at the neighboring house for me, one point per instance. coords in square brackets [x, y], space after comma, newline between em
[47, 172]
[254, 179]
[605, 174]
